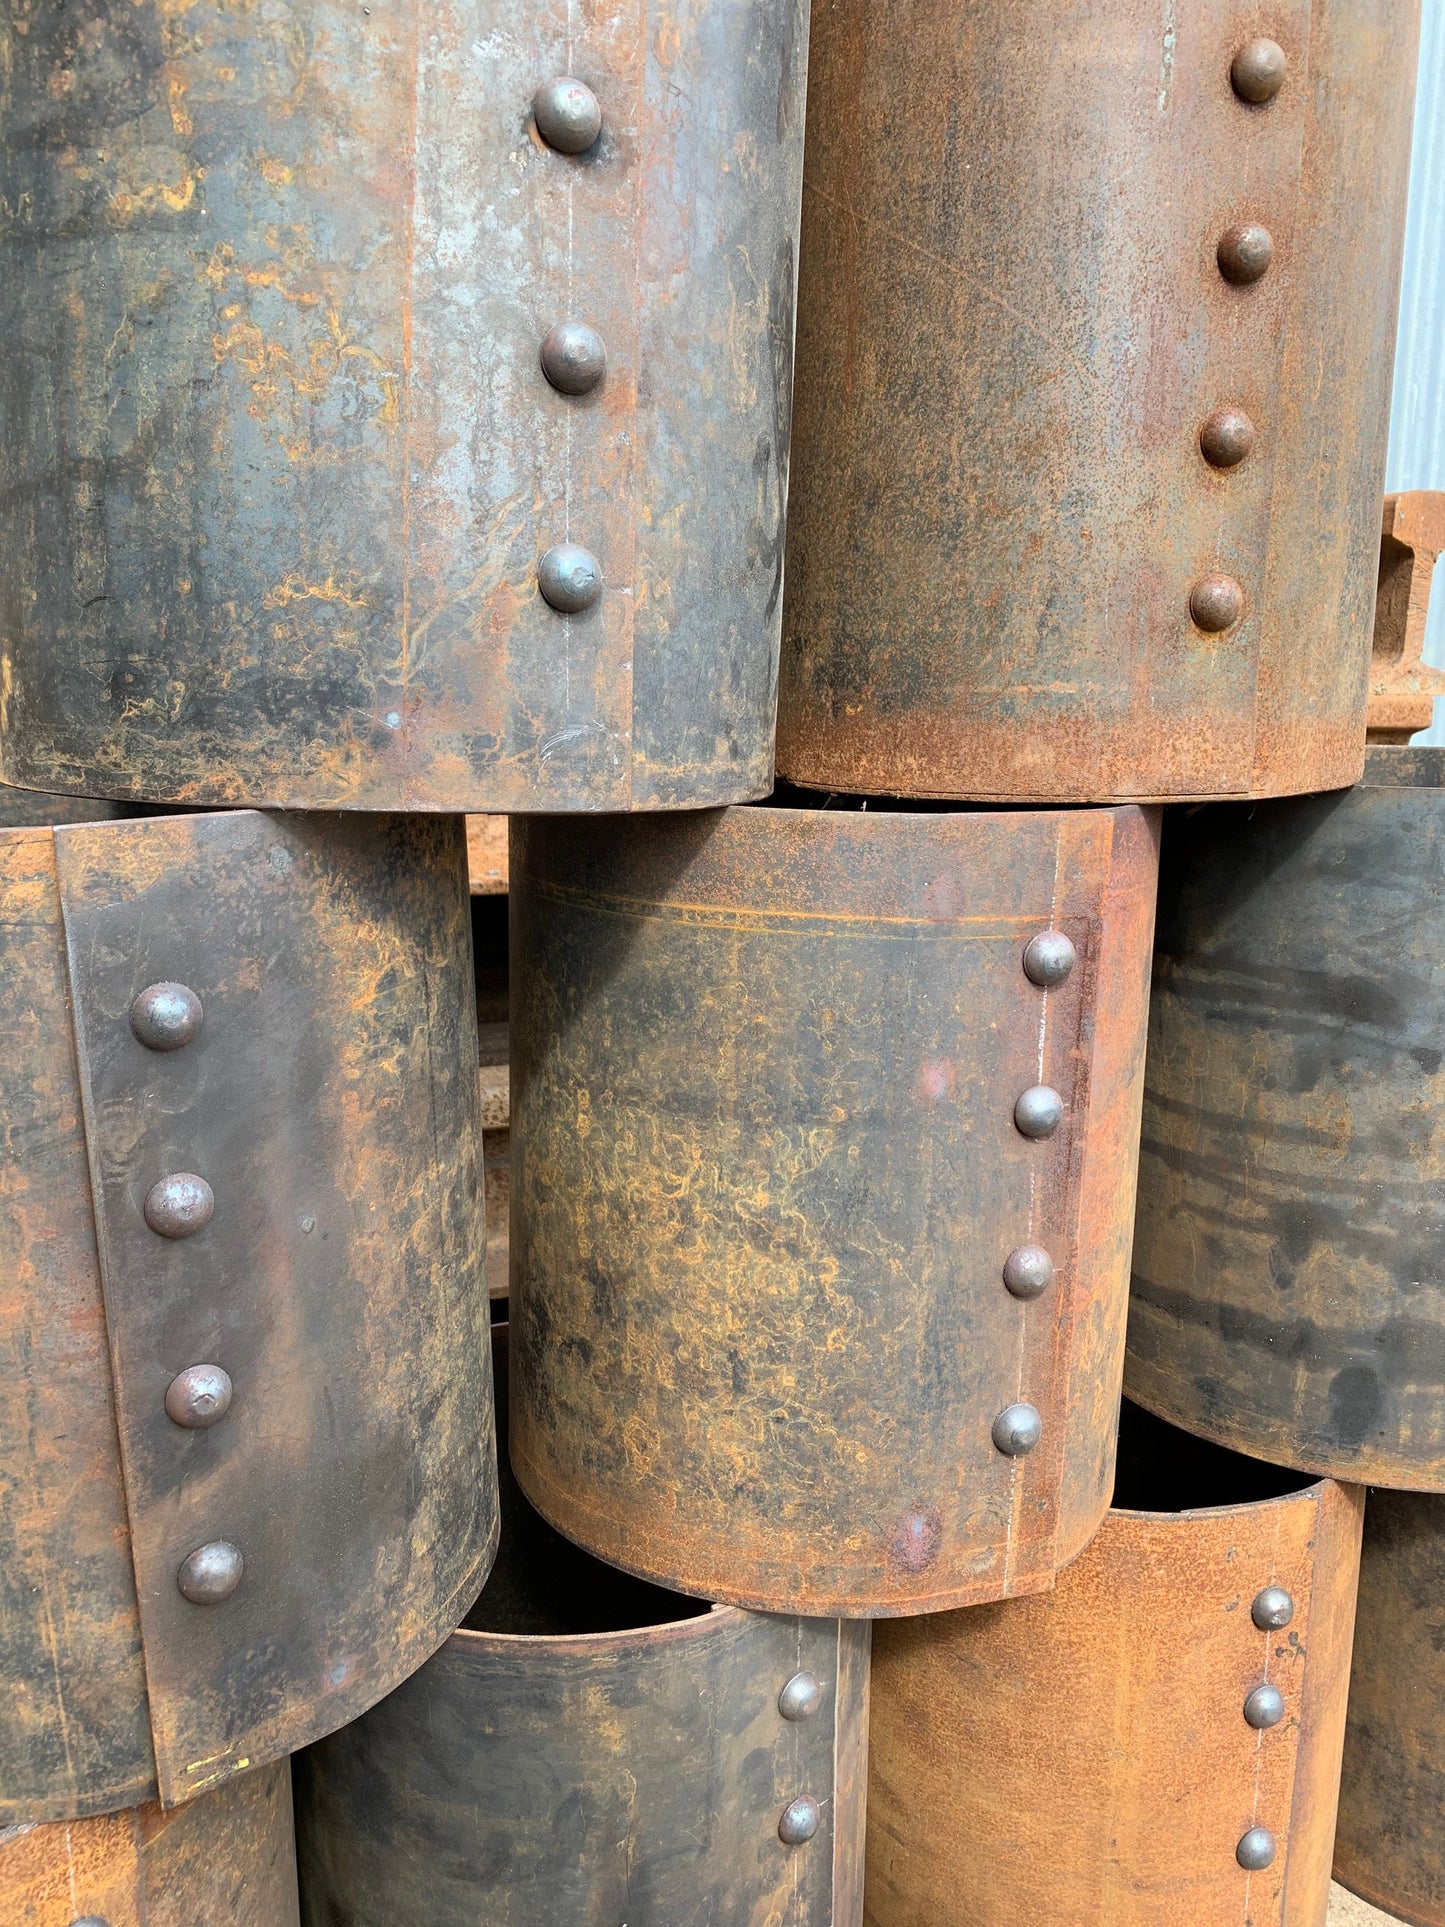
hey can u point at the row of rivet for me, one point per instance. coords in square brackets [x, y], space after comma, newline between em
[573, 355]
[1271, 1612]
[1028, 1270]
[799, 1700]
[166, 1017]
[1244, 253]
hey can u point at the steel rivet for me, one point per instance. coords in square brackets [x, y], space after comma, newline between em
[180, 1205]
[1257, 71]
[574, 358]
[1244, 253]
[1048, 958]
[198, 1396]
[165, 1016]
[90, 1920]
[567, 114]
[1226, 437]
[1216, 602]
[1039, 1112]
[1029, 1271]
[801, 1820]
[1272, 1610]
[570, 578]
[801, 1697]
[1017, 1430]
[1255, 1851]
[1264, 1707]
[211, 1573]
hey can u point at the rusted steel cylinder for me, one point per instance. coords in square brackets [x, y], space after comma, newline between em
[1289, 1253]
[589, 1748]
[823, 1172]
[225, 1860]
[1390, 1844]
[396, 401]
[1158, 1739]
[249, 1472]
[1095, 333]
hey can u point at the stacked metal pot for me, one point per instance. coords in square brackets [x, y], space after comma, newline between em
[401, 424]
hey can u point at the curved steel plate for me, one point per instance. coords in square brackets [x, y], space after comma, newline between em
[281, 460]
[766, 1176]
[1012, 326]
[1289, 1287]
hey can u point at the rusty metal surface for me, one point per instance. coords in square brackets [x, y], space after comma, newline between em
[1402, 687]
[1390, 1845]
[225, 1860]
[766, 1177]
[1288, 1294]
[329, 1100]
[1083, 1757]
[280, 458]
[591, 1749]
[1012, 328]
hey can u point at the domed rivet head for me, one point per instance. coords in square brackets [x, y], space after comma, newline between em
[570, 578]
[574, 359]
[1226, 437]
[1017, 1430]
[211, 1573]
[801, 1820]
[179, 1206]
[198, 1396]
[1039, 1112]
[567, 114]
[1028, 1272]
[1257, 71]
[1272, 1610]
[1048, 958]
[165, 1016]
[1264, 1707]
[1255, 1851]
[1244, 253]
[90, 1920]
[801, 1697]
[1216, 602]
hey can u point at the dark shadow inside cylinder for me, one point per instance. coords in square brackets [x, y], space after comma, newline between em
[790, 796]
[543, 1585]
[1161, 1469]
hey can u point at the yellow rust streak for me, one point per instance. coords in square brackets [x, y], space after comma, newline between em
[296, 589]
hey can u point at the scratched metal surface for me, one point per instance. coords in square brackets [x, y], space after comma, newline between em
[279, 457]
[330, 1100]
[1390, 1843]
[591, 1750]
[1011, 328]
[1082, 1759]
[225, 1860]
[766, 1176]
[1288, 1294]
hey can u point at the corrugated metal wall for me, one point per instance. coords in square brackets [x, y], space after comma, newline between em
[1417, 414]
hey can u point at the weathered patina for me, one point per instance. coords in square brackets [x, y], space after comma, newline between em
[589, 1748]
[1289, 1254]
[284, 1371]
[225, 1860]
[1155, 1741]
[1390, 1842]
[292, 463]
[821, 1200]
[1083, 506]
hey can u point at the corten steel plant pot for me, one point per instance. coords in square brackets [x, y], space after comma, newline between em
[1085, 495]
[369, 446]
[1390, 1846]
[1155, 1743]
[249, 1466]
[590, 1750]
[225, 1860]
[823, 1174]
[1289, 1254]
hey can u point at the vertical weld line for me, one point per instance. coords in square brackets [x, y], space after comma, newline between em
[70, 1870]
